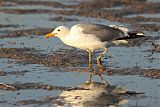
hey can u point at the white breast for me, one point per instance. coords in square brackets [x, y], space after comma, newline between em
[77, 38]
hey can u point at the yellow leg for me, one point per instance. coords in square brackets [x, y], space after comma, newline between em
[105, 51]
[100, 56]
[90, 65]
[102, 79]
[90, 78]
[99, 60]
[90, 59]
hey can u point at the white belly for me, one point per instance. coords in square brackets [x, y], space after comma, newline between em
[84, 41]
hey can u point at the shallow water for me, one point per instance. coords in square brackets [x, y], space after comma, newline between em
[144, 15]
[41, 74]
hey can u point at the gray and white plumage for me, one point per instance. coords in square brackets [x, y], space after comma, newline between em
[104, 33]
[109, 33]
[94, 36]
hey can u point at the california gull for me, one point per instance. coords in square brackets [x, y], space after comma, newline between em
[94, 36]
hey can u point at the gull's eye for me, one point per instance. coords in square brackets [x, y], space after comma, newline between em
[58, 30]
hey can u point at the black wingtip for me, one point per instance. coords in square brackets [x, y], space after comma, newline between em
[136, 34]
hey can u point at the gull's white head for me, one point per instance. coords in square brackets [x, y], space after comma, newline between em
[58, 32]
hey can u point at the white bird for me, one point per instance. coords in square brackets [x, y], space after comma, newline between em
[94, 36]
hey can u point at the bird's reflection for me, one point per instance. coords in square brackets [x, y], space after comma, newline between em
[94, 94]
[98, 71]
[99, 74]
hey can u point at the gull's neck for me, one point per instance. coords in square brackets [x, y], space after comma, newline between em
[65, 37]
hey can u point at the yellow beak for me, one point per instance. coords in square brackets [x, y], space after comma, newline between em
[49, 35]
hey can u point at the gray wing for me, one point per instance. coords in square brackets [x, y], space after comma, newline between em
[104, 33]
